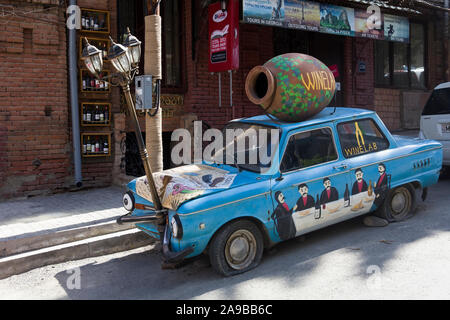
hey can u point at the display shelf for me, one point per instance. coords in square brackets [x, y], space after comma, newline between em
[96, 144]
[90, 84]
[95, 114]
[95, 21]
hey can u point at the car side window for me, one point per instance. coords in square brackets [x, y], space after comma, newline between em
[360, 137]
[307, 149]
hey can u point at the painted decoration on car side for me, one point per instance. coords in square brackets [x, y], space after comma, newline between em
[330, 203]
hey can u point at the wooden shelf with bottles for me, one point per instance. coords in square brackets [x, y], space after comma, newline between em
[95, 114]
[90, 86]
[95, 144]
[95, 21]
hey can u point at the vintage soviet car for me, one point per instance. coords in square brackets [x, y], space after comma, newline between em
[339, 164]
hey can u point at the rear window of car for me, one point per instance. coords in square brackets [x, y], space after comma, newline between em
[360, 137]
[438, 103]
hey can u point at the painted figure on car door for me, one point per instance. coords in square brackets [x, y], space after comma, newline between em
[282, 216]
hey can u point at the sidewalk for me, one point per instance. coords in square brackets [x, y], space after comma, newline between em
[51, 229]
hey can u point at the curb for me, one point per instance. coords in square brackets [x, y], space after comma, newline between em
[92, 247]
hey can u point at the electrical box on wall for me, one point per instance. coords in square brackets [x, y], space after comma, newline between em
[144, 92]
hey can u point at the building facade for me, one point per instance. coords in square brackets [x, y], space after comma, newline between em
[36, 148]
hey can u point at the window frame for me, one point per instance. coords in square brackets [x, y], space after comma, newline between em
[361, 154]
[391, 84]
[313, 166]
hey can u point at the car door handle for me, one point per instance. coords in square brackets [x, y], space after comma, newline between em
[342, 166]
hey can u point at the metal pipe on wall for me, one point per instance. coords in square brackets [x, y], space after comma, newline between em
[446, 44]
[73, 80]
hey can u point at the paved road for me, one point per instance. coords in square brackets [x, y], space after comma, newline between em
[408, 260]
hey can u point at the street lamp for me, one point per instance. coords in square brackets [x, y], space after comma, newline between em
[125, 59]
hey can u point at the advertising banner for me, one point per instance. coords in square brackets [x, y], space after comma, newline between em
[223, 37]
[337, 20]
[300, 14]
[396, 28]
[327, 18]
[368, 27]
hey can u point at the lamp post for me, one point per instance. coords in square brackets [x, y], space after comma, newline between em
[125, 59]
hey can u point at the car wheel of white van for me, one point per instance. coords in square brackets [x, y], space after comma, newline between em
[399, 203]
[236, 248]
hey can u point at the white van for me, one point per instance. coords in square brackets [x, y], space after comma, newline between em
[435, 119]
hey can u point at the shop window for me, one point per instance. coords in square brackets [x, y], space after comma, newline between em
[171, 31]
[402, 65]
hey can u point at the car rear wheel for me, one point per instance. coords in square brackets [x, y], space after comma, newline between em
[399, 203]
[236, 248]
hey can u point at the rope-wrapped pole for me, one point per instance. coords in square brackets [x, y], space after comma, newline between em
[153, 66]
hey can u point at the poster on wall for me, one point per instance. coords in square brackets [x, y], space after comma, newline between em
[300, 14]
[367, 28]
[267, 12]
[337, 20]
[327, 18]
[396, 28]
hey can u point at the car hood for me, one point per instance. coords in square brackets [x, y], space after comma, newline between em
[178, 185]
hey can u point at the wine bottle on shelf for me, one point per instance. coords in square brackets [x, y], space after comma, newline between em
[92, 22]
[84, 115]
[97, 146]
[84, 84]
[84, 146]
[89, 145]
[101, 116]
[83, 22]
[97, 114]
[105, 146]
[96, 23]
[318, 210]
[88, 115]
[92, 81]
[106, 114]
[346, 196]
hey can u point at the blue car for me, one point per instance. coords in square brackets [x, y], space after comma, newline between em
[339, 164]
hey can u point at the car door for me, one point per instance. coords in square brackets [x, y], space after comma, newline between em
[309, 193]
[363, 145]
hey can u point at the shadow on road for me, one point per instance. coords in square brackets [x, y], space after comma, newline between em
[139, 276]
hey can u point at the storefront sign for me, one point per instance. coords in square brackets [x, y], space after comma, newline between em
[396, 28]
[223, 36]
[327, 18]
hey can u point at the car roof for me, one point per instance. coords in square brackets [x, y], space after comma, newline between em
[444, 85]
[326, 115]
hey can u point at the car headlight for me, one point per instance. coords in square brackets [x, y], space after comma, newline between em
[177, 228]
[128, 201]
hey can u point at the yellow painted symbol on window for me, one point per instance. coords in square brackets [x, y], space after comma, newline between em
[359, 135]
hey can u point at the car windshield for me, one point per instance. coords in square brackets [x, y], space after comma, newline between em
[248, 146]
[438, 103]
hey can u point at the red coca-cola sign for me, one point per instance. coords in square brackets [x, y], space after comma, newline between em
[223, 36]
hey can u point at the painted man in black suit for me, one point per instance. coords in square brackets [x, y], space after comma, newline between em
[305, 201]
[330, 193]
[282, 216]
[360, 184]
[381, 186]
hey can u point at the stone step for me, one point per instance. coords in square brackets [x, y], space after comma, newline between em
[75, 250]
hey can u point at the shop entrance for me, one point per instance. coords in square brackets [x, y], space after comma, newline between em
[327, 48]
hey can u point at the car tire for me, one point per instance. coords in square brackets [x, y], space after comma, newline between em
[236, 248]
[399, 204]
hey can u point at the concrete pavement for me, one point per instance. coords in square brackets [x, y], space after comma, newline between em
[52, 229]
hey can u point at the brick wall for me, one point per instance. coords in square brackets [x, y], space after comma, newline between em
[387, 105]
[34, 137]
[202, 88]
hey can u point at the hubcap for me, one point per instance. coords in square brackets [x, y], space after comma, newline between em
[400, 202]
[240, 249]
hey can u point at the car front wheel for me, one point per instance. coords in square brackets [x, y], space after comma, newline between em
[236, 248]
